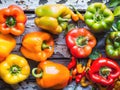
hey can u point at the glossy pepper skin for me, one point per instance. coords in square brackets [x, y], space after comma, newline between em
[53, 17]
[37, 46]
[14, 69]
[112, 47]
[12, 20]
[98, 17]
[7, 44]
[72, 63]
[104, 71]
[51, 75]
[80, 42]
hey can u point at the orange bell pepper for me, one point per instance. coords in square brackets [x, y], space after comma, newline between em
[12, 20]
[37, 46]
[51, 75]
[7, 44]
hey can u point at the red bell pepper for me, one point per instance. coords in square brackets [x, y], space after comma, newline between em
[104, 71]
[80, 42]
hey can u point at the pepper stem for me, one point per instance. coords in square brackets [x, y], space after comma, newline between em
[14, 69]
[104, 71]
[81, 41]
[60, 19]
[36, 75]
[75, 9]
[114, 28]
[10, 21]
[45, 46]
[117, 38]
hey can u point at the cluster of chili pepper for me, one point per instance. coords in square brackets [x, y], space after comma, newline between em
[78, 71]
[99, 71]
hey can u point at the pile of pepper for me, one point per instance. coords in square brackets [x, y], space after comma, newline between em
[13, 68]
[99, 71]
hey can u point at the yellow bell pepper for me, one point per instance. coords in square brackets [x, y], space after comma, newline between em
[7, 44]
[14, 69]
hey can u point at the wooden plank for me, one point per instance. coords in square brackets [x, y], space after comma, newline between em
[31, 4]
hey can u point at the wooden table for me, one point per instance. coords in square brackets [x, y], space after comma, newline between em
[61, 52]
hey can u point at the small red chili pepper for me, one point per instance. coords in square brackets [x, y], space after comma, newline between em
[79, 76]
[72, 63]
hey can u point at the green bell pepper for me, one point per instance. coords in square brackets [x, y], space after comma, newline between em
[118, 25]
[112, 47]
[53, 17]
[98, 17]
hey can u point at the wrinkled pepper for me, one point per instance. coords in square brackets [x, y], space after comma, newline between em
[98, 17]
[112, 47]
[14, 69]
[104, 71]
[51, 75]
[80, 42]
[12, 20]
[53, 17]
[37, 46]
[7, 44]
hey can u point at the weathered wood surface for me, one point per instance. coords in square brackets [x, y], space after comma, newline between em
[32, 4]
[61, 52]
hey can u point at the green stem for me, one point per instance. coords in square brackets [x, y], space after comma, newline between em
[15, 69]
[117, 38]
[60, 19]
[75, 9]
[114, 28]
[104, 71]
[81, 41]
[36, 75]
[10, 21]
[45, 46]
